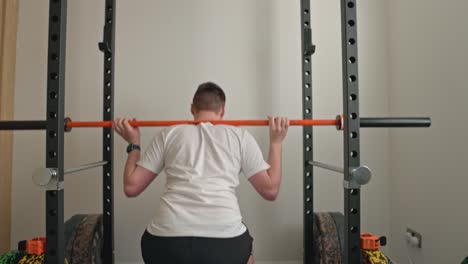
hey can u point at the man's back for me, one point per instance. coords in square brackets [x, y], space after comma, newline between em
[202, 164]
[198, 220]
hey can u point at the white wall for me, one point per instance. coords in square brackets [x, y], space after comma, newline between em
[429, 67]
[166, 48]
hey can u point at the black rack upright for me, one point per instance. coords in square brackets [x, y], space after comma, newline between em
[307, 51]
[352, 203]
[55, 129]
[108, 48]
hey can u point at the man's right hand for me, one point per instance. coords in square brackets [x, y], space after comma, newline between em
[278, 129]
[126, 131]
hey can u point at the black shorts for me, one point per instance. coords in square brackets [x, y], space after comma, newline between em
[196, 250]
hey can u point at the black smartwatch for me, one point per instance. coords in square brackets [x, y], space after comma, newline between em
[131, 147]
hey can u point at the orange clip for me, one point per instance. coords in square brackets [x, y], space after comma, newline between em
[370, 241]
[36, 246]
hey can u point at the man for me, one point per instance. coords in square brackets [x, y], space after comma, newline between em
[198, 220]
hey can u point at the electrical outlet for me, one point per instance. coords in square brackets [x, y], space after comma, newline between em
[416, 235]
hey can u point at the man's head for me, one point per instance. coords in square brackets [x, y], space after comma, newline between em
[209, 99]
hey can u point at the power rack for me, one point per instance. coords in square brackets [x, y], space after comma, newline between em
[55, 126]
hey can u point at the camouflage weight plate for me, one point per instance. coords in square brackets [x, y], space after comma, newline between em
[328, 239]
[87, 244]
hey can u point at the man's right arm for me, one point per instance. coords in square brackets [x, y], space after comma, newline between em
[267, 182]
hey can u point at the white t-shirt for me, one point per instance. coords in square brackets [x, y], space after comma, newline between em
[202, 163]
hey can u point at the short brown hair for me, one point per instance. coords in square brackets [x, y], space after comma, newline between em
[209, 97]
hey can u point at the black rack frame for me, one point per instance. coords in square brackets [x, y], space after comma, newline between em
[350, 136]
[55, 126]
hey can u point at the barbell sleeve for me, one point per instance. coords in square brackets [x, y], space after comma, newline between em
[395, 122]
[23, 125]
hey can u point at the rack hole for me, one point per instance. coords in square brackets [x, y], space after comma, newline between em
[109, 21]
[352, 60]
[307, 85]
[353, 135]
[353, 97]
[108, 213]
[307, 60]
[52, 134]
[353, 116]
[54, 19]
[308, 212]
[308, 174]
[108, 174]
[54, 76]
[350, 4]
[306, 24]
[353, 154]
[109, 8]
[108, 187]
[306, 11]
[307, 73]
[307, 111]
[53, 212]
[53, 193]
[54, 57]
[352, 41]
[108, 97]
[108, 200]
[307, 136]
[109, 71]
[53, 115]
[108, 135]
[109, 59]
[354, 211]
[108, 110]
[54, 37]
[108, 84]
[308, 199]
[353, 229]
[308, 149]
[308, 187]
[351, 23]
[354, 192]
[108, 148]
[307, 98]
[53, 95]
[352, 78]
[52, 154]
